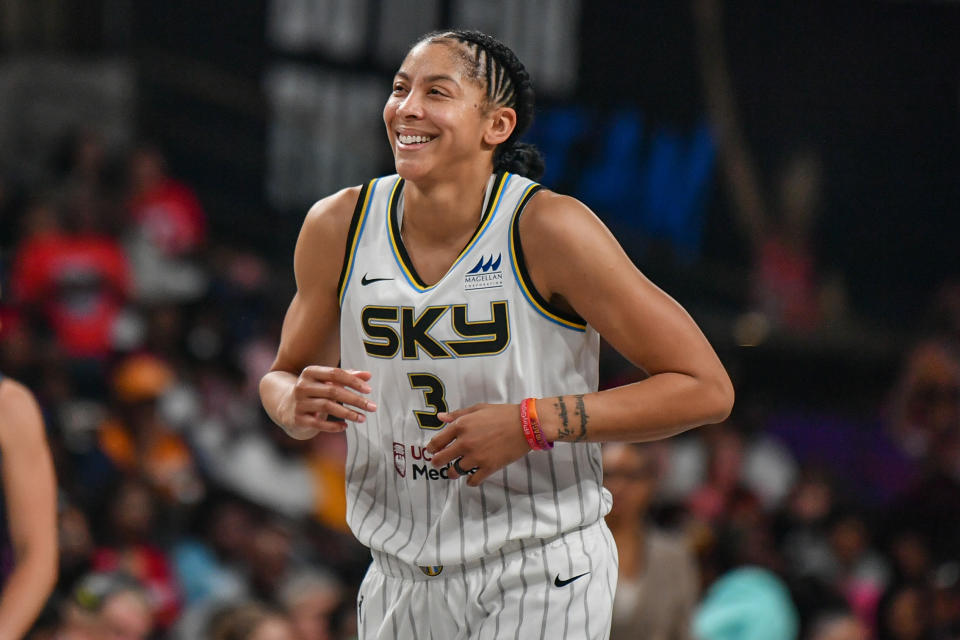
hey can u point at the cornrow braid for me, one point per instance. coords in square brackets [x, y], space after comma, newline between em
[507, 83]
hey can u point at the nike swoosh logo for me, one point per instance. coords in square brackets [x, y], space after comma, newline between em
[557, 582]
[365, 281]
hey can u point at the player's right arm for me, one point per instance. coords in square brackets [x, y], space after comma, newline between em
[304, 388]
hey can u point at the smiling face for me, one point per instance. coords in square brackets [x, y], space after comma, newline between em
[438, 118]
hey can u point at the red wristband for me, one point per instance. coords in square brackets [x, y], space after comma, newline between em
[525, 424]
[531, 425]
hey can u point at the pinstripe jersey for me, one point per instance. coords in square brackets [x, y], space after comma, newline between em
[482, 333]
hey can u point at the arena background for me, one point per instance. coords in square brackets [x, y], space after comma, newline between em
[262, 107]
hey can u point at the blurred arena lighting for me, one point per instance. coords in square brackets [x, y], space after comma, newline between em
[751, 329]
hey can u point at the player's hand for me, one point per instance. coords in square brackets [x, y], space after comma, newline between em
[321, 393]
[486, 437]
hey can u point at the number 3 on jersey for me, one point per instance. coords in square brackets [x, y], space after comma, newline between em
[433, 396]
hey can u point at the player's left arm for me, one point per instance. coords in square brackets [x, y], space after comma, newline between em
[575, 262]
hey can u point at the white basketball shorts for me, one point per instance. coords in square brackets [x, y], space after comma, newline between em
[561, 589]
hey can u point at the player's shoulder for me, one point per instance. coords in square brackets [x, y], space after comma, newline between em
[322, 236]
[552, 216]
[332, 214]
[326, 229]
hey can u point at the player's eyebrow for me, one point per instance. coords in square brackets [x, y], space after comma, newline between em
[437, 77]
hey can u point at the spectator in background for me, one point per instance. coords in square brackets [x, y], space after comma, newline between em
[706, 468]
[326, 460]
[133, 547]
[270, 556]
[250, 621]
[909, 552]
[28, 530]
[298, 478]
[256, 464]
[747, 603]
[138, 438]
[802, 528]
[168, 232]
[75, 278]
[712, 500]
[905, 614]
[925, 421]
[107, 606]
[209, 564]
[82, 172]
[658, 584]
[838, 625]
[946, 600]
[860, 573]
[925, 408]
[76, 545]
[311, 597]
[737, 473]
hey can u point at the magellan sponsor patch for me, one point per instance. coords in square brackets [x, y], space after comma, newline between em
[486, 274]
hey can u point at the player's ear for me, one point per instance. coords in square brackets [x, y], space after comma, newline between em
[501, 124]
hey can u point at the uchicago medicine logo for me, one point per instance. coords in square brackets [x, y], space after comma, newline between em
[422, 469]
[399, 459]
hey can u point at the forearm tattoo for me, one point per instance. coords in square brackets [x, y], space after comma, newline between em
[582, 411]
[566, 432]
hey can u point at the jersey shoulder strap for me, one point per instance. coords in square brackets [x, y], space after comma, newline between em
[361, 213]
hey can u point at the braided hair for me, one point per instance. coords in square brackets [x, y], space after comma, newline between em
[494, 64]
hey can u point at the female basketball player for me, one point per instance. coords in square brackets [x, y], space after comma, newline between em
[28, 525]
[465, 311]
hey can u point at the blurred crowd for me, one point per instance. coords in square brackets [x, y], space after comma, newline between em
[144, 340]
[795, 520]
[185, 514]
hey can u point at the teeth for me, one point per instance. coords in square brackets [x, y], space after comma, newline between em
[413, 139]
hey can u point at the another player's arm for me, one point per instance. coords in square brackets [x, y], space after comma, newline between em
[304, 387]
[30, 489]
[575, 261]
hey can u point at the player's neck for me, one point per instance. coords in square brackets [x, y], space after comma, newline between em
[439, 212]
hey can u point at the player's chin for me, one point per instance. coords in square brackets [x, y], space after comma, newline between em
[411, 169]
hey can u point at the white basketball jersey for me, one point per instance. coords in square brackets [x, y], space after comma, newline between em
[480, 334]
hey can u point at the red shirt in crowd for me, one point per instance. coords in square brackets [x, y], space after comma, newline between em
[79, 282]
[170, 215]
[148, 564]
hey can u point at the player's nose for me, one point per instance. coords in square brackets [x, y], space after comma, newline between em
[411, 106]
